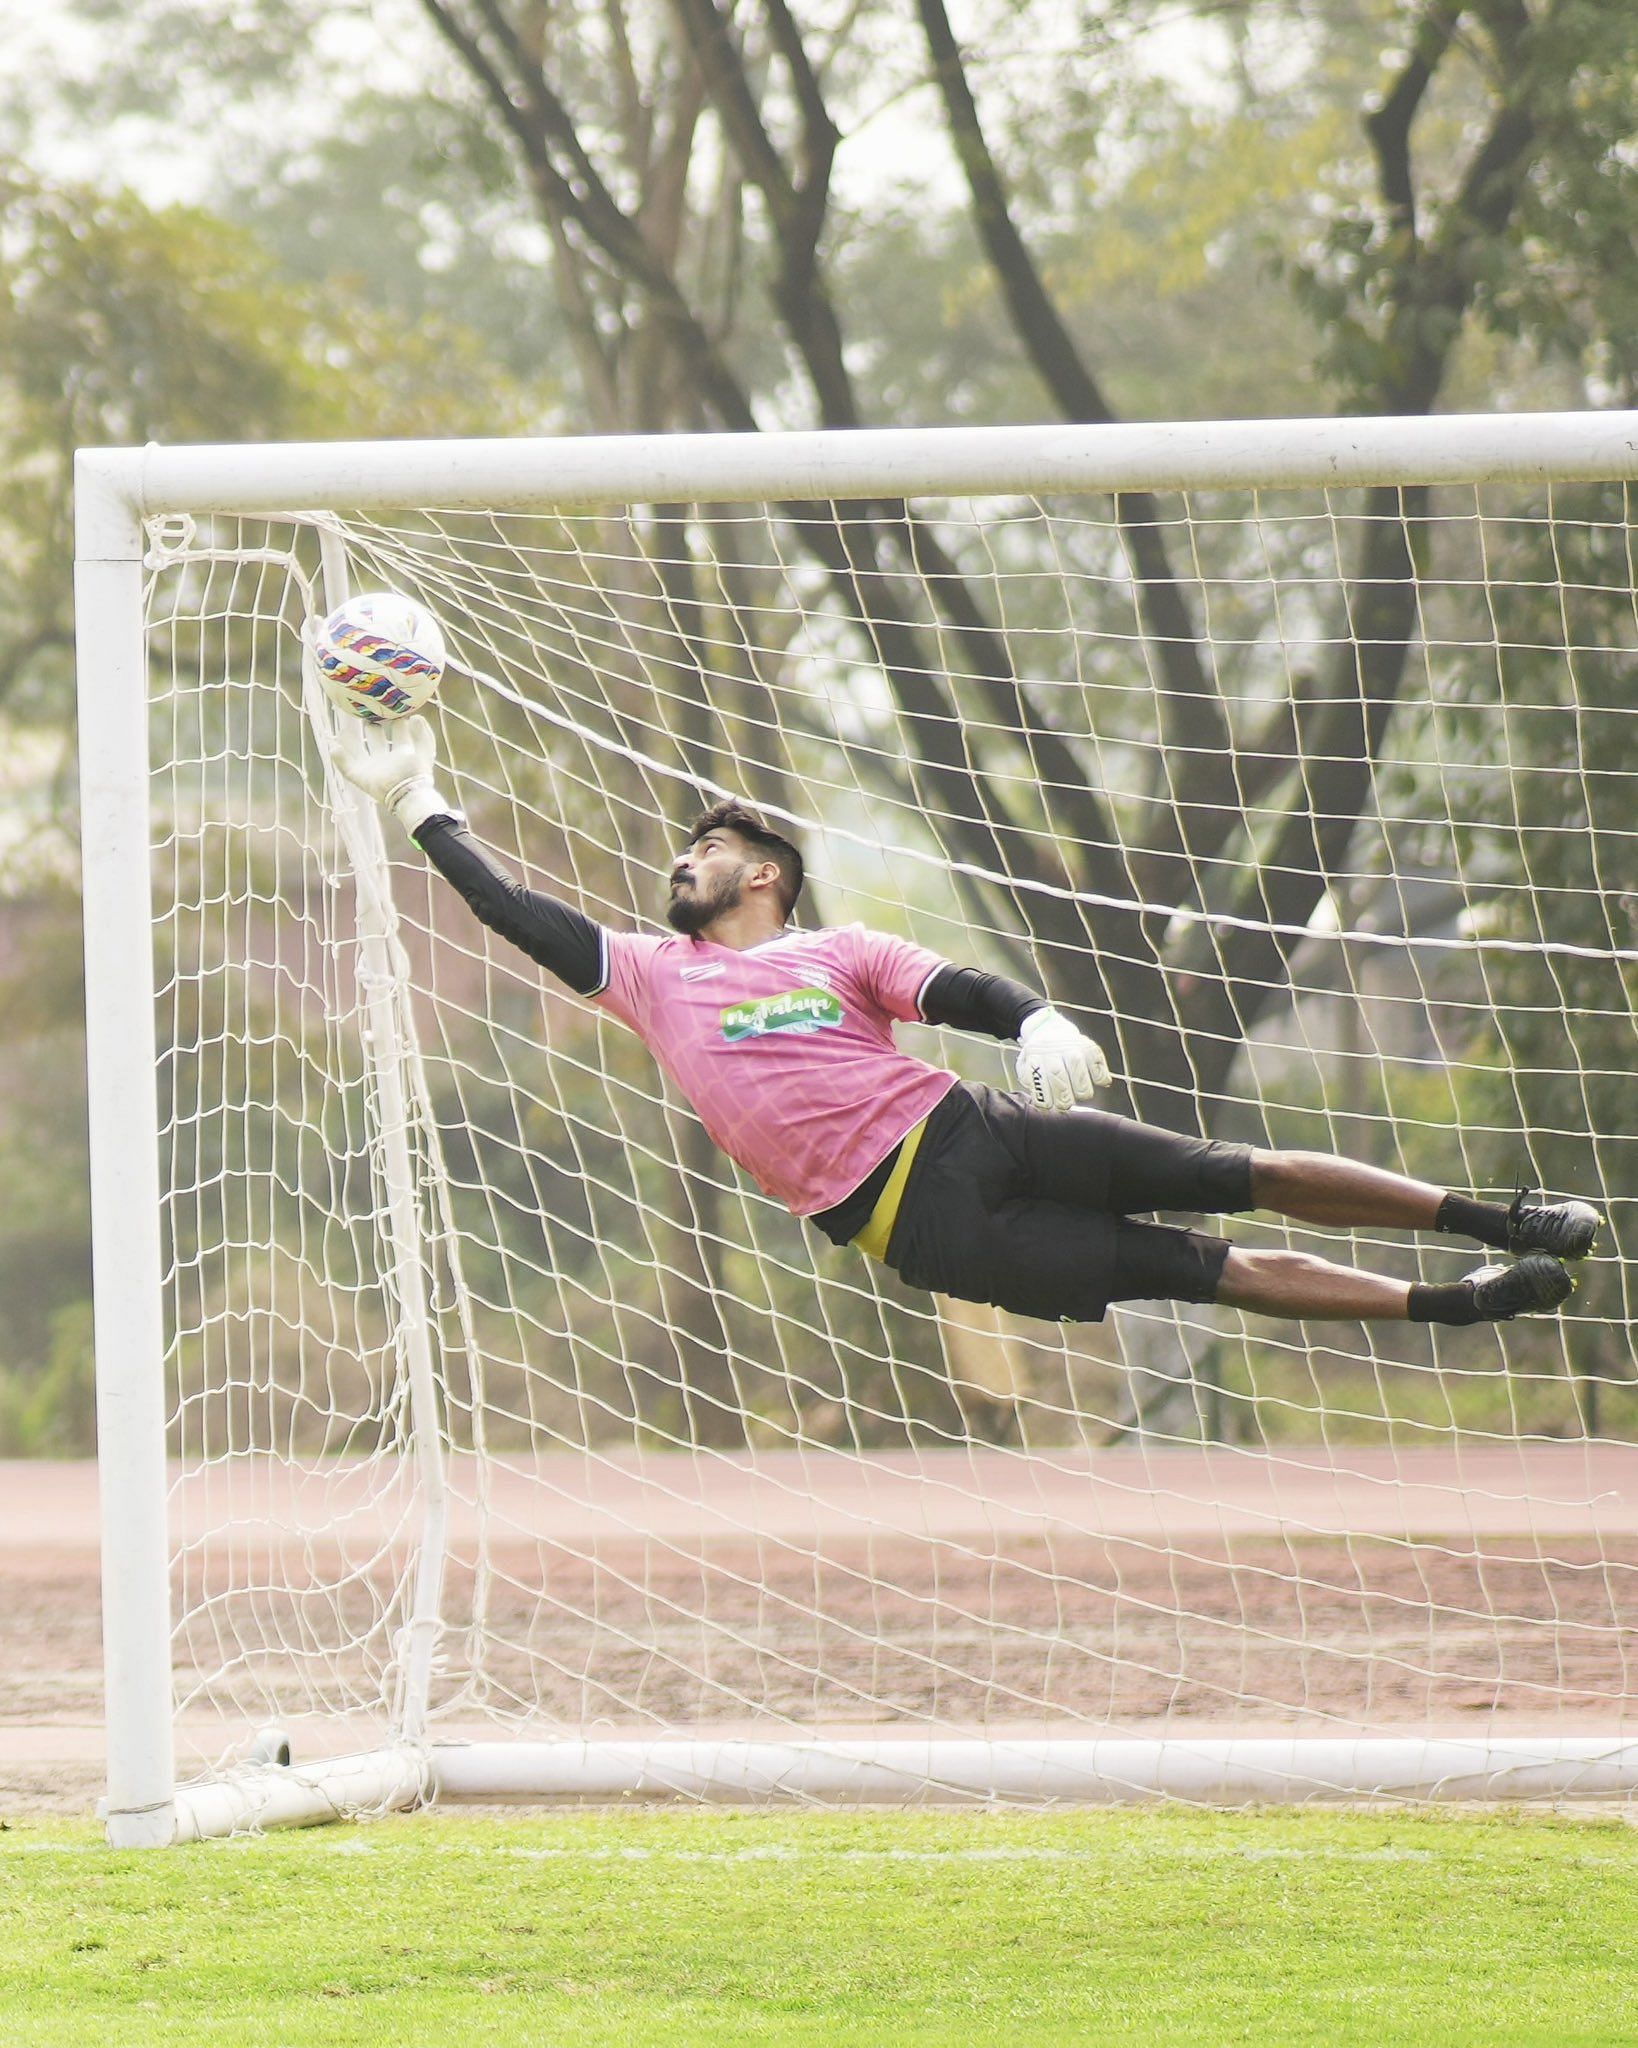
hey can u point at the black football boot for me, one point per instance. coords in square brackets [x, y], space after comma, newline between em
[1528, 1286]
[1564, 1229]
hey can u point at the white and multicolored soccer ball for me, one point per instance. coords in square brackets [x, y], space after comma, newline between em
[380, 656]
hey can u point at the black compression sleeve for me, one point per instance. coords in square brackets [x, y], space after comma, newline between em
[972, 1001]
[565, 942]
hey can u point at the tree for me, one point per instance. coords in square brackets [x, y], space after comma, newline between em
[120, 323]
[646, 250]
[680, 158]
[1408, 264]
[1565, 819]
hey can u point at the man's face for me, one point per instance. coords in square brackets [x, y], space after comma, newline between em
[707, 880]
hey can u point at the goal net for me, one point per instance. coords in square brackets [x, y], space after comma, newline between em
[470, 1422]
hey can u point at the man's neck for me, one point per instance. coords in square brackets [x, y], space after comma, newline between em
[742, 928]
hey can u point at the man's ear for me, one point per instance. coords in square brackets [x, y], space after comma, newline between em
[765, 875]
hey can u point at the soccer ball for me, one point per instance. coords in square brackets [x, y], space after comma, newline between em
[380, 656]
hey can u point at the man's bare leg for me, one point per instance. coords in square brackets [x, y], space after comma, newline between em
[1301, 1288]
[1319, 1187]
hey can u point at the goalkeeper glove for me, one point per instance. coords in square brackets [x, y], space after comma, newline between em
[397, 771]
[1058, 1066]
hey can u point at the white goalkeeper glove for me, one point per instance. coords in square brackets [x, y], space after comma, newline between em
[398, 772]
[1058, 1066]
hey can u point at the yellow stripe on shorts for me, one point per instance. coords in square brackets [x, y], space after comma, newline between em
[872, 1240]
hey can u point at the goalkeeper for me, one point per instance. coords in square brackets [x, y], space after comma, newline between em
[782, 1041]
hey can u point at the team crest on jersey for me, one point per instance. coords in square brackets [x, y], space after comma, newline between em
[798, 1009]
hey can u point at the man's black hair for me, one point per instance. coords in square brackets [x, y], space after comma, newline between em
[732, 815]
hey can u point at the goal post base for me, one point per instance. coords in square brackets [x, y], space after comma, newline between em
[1095, 1771]
[275, 1796]
[894, 1772]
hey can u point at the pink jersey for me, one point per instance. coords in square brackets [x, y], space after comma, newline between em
[785, 1050]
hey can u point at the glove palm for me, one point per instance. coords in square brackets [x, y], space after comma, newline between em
[398, 773]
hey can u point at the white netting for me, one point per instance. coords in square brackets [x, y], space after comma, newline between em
[1327, 800]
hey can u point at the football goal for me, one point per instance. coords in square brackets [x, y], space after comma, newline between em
[470, 1427]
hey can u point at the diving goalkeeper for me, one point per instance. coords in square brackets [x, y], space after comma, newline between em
[782, 1041]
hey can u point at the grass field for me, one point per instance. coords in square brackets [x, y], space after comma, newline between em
[689, 1926]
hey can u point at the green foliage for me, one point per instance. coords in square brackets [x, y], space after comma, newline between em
[1391, 284]
[412, 207]
[1217, 231]
[1566, 1001]
[44, 1259]
[52, 1413]
[1163, 275]
[119, 322]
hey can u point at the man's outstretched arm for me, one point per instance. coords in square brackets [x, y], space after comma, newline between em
[555, 936]
[1058, 1065]
[401, 778]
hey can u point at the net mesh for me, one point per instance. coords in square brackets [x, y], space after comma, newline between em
[1317, 808]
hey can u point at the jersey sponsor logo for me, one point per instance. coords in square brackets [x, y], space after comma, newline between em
[798, 1009]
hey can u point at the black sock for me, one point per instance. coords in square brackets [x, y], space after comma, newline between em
[1464, 1217]
[1452, 1303]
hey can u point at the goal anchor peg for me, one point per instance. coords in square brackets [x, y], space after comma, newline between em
[270, 1746]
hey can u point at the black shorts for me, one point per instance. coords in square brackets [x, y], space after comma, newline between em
[1028, 1209]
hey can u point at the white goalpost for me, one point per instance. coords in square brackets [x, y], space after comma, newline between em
[470, 1428]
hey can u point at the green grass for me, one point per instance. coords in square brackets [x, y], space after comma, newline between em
[687, 1926]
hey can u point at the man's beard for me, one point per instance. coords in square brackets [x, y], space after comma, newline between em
[691, 910]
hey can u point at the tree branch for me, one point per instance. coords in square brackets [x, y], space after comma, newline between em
[1436, 278]
[636, 114]
[1388, 125]
[987, 660]
[706, 30]
[1034, 316]
[819, 133]
[1189, 710]
[796, 212]
[583, 198]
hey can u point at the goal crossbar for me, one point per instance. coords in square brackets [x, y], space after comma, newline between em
[572, 475]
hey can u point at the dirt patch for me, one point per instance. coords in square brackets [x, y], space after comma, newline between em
[1085, 1634]
[1026, 1624]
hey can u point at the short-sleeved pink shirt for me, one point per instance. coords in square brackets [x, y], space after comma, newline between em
[785, 1050]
